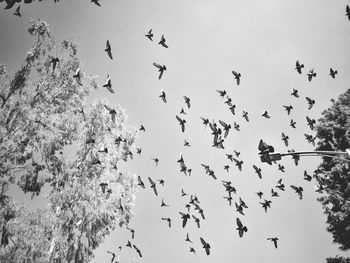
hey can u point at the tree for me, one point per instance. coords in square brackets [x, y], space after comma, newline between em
[333, 175]
[338, 260]
[53, 143]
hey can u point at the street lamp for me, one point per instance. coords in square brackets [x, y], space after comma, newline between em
[268, 154]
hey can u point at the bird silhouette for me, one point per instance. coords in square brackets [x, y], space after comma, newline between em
[206, 246]
[96, 2]
[307, 177]
[77, 77]
[274, 193]
[192, 250]
[238, 163]
[347, 12]
[229, 199]
[310, 122]
[311, 139]
[17, 11]
[311, 74]
[237, 76]
[163, 95]
[184, 218]
[280, 185]
[281, 168]
[245, 115]
[274, 240]
[260, 194]
[108, 49]
[183, 193]
[113, 255]
[149, 35]
[188, 238]
[160, 68]
[181, 122]
[222, 93]
[187, 144]
[142, 128]
[292, 123]
[285, 138]
[288, 108]
[132, 231]
[295, 93]
[108, 84]
[187, 101]
[232, 109]
[161, 182]
[163, 204]
[257, 171]
[137, 250]
[266, 204]
[140, 182]
[138, 151]
[236, 126]
[153, 185]
[183, 111]
[265, 114]
[310, 101]
[196, 220]
[226, 127]
[162, 42]
[112, 112]
[156, 161]
[205, 121]
[241, 229]
[298, 190]
[295, 156]
[298, 66]
[239, 208]
[168, 220]
[332, 73]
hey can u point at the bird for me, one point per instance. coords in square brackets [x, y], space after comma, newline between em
[310, 101]
[205, 121]
[227, 168]
[163, 96]
[310, 122]
[142, 128]
[222, 93]
[285, 138]
[257, 171]
[266, 204]
[311, 74]
[274, 193]
[138, 151]
[192, 250]
[164, 204]
[108, 49]
[333, 73]
[156, 161]
[295, 93]
[236, 126]
[229, 199]
[17, 11]
[226, 127]
[311, 139]
[54, 62]
[113, 255]
[239, 163]
[137, 250]
[112, 112]
[266, 115]
[292, 123]
[232, 109]
[245, 115]
[160, 68]
[96, 2]
[197, 220]
[237, 76]
[181, 122]
[183, 193]
[168, 220]
[241, 229]
[187, 144]
[295, 156]
[153, 185]
[237, 153]
[288, 108]
[298, 190]
[298, 66]
[274, 240]
[347, 12]
[183, 111]
[132, 231]
[239, 208]
[162, 42]
[149, 35]
[184, 218]
[161, 182]
[281, 168]
[260, 194]
[307, 177]
[187, 101]
[206, 246]
[77, 76]
[280, 185]
[188, 238]
[108, 84]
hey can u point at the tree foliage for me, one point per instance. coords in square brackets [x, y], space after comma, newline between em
[333, 174]
[51, 140]
[338, 260]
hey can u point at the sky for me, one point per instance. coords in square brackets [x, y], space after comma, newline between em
[207, 40]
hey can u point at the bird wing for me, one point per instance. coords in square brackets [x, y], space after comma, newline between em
[235, 73]
[203, 242]
[157, 65]
[151, 181]
[294, 188]
[239, 223]
[224, 124]
[178, 118]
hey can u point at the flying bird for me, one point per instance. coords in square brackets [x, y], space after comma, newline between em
[232, 109]
[149, 35]
[113, 255]
[142, 128]
[347, 12]
[310, 122]
[266, 204]
[156, 161]
[181, 122]
[298, 66]
[108, 49]
[295, 93]
[311, 74]
[280, 185]
[206, 246]
[153, 185]
[205, 121]
[332, 73]
[237, 76]
[160, 68]
[132, 231]
[77, 76]
[274, 193]
[162, 42]
[222, 93]
[274, 240]
[285, 138]
[310, 101]
[168, 220]
[307, 177]
[257, 171]
[163, 95]
[196, 219]
[112, 112]
[298, 190]
[192, 250]
[238, 163]
[17, 11]
[241, 229]
[281, 168]
[245, 115]
[292, 123]
[187, 101]
[266, 115]
[226, 127]
[310, 139]
[260, 194]
[183, 111]
[184, 218]
[236, 126]
[140, 182]
[137, 250]
[288, 108]
[163, 204]
[188, 238]
[108, 84]
[96, 2]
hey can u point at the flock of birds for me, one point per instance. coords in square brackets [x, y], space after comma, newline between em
[219, 132]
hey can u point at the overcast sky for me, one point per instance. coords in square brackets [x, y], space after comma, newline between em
[207, 40]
